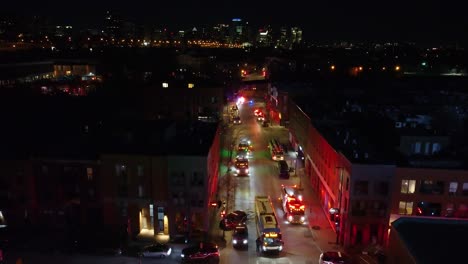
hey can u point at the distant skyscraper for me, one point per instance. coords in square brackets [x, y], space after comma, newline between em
[296, 36]
[283, 40]
[238, 31]
[112, 25]
[264, 37]
[221, 32]
[289, 37]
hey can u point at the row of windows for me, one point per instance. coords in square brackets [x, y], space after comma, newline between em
[179, 179]
[433, 209]
[181, 198]
[428, 149]
[380, 188]
[433, 187]
[369, 208]
[71, 170]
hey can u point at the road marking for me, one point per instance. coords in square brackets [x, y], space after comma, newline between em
[364, 260]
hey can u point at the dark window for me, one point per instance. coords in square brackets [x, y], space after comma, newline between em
[361, 188]
[358, 208]
[428, 209]
[381, 188]
[431, 187]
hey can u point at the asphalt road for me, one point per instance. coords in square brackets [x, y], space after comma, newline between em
[300, 246]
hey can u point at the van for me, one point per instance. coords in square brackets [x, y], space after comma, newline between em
[283, 169]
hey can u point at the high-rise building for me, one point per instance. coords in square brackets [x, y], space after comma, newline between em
[220, 32]
[264, 37]
[112, 25]
[283, 38]
[296, 36]
[238, 31]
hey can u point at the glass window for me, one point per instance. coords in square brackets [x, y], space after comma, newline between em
[361, 187]
[417, 147]
[405, 208]
[140, 171]
[449, 210]
[465, 188]
[89, 173]
[381, 188]
[453, 188]
[140, 190]
[408, 186]
[435, 148]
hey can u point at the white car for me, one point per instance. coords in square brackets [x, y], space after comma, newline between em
[156, 251]
[334, 257]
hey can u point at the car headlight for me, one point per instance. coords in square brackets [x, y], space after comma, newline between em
[237, 170]
[169, 251]
[302, 218]
[234, 241]
[245, 241]
[280, 248]
[182, 255]
[290, 218]
[264, 248]
[247, 170]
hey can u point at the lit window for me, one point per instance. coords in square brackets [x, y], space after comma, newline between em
[191, 85]
[453, 188]
[165, 85]
[405, 208]
[89, 173]
[417, 147]
[408, 186]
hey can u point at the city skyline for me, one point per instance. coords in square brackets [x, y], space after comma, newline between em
[399, 21]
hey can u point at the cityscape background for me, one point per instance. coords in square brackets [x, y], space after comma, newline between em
[123, 126]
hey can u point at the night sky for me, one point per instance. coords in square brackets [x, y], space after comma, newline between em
[353, 20]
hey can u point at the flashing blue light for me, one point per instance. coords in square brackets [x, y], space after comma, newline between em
[236, 20]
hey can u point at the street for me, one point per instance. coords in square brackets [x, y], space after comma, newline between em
[302, 243]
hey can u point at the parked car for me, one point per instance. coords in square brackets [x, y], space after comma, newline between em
[231, 220]
[156, 251]
[203, 252]
[283, 169]
[334, 257]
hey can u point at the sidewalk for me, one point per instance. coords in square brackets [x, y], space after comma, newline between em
[319, 224]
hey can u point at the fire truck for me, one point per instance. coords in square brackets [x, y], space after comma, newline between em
[293, 206]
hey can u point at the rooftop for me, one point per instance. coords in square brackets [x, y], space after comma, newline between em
[433, 240]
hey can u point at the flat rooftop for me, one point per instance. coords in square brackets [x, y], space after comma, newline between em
[434, 240]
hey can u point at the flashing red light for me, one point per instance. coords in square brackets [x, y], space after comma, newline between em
[214, 204]
[223, 213]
